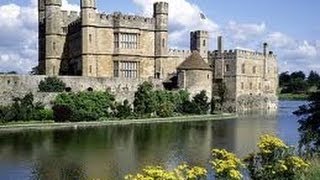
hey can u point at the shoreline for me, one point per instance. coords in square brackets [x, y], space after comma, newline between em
[49, 125]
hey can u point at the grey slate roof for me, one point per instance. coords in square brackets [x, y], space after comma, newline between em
[194, 62]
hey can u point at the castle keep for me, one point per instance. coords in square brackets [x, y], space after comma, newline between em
[112, 50]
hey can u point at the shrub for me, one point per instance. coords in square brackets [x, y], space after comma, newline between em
[200, 102]
[124, 110]
[62, 113]
[275, 160]
[43, 114]
[145, 100]
[226, 165]
[86, 106]
[51, 84]
[181, 172]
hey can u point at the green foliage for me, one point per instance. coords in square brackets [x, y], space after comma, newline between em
[200, 103]
[222, 92]
[24, 109]
[62, 113]
[123, 111]
[51, 84]
[313, 79]
[274, 160]
[310, 124]
[145, 100]
[85, 106]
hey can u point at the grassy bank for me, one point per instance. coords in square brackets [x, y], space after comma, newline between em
[17, 126]
[293, 97]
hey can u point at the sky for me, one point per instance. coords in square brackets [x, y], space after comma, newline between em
[291, 27]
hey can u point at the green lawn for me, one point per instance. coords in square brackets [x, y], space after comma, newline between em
[293, 97]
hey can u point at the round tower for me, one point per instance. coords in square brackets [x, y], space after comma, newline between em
[53, 41]
[41, 36]
[160, 13]
[199, 41]
[89, 40]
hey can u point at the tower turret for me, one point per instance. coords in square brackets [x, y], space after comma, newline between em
[160, 13]
[53, 33]
[41, 36]
[265, 60]
[88, 32]
[199, 41]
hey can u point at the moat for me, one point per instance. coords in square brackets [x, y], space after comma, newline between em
[114, 151]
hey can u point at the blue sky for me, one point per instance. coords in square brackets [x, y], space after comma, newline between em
[291, 27]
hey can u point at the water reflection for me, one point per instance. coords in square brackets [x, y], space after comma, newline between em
[111, 152]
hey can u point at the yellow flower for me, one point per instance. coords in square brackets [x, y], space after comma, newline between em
[269, 143]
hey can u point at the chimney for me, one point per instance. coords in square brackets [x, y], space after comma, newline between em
[265, 48]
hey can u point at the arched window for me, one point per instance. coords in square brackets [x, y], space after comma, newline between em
[90, 38]
[54, 46]
[163, 42]
[254, 69]
[204, 43]
[243, 68]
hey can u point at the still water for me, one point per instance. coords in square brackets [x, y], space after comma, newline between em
[111, 152]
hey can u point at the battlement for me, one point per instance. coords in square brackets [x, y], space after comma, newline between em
[233, 53]
[69, 17]
[180, 53]
[74, 26]
[124, 20]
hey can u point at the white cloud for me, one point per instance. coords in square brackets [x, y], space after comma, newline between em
[69, 7]
[183, 18]
[19, 35]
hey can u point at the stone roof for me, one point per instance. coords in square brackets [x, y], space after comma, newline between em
[194, 62]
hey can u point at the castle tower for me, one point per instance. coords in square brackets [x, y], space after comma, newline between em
[88, 32]
[53, 33]
[199, 41]
[265, 60]
[41, 36]
[160, 13]
[219, 61]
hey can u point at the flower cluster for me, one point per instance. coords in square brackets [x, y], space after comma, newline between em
[269, 143]
[182, 172]
[226, 165]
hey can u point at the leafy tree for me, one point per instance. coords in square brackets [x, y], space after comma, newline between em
[284, 79]
[222, 91]
[310, 124]
[297, 85]
[313, 79]
[85, 106]
[200, 103]
[298, 75]
[51, 84]
[145, 100]
[124, 110]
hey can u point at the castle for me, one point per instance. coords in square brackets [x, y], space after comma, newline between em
[127, 48]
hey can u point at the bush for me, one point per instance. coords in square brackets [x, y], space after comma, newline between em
[51, 84]
[43, 114]
[85, 106]
[274, 160]
[123, 111]
[62, 113]
[226, 165]
[181, 172]
[145, 100]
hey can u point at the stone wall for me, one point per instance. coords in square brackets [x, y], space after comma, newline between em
[19, 85]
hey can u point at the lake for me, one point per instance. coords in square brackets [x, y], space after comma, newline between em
[114, 151]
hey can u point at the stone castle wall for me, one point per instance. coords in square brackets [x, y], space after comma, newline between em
[19, 85]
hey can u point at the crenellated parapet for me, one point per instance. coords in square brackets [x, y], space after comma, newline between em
[179, 53]
[117, 19]
[240, 53]
[74, 26]
[69, 16]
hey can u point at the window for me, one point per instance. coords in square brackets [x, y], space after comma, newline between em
[250, 86]
[259, 85]
[227, 68]
[254, 69]
[116, 40]
[243, 69]
[126, 40]
[90, 69]
[163, 42]
[90, 38]
[54, 46]
[204, 43]
[54, 70]
[126, 69]
[242, 85]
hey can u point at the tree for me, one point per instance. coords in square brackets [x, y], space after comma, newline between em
[124, 110]
[51, 84]
[200, 103]
[297, 85]
[284, 79]
[145, 100]
[313, 79]
[298, 75]
[310, 124]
